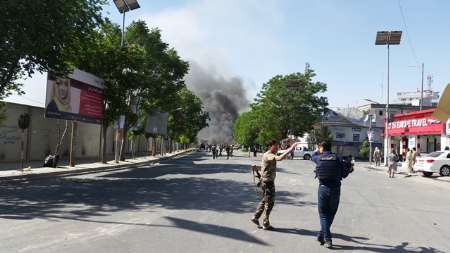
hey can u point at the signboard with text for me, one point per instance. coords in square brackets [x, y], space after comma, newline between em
[417, 126]
[79, 97]
[157, 123]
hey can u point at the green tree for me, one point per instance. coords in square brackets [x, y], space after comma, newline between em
[286, 105]
[293, 102]
[364, 149]
[188, 119]
[318, 135]
[43, 35]
[245, 129]
[145, 74]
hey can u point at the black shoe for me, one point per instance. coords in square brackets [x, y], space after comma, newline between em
[256, 222]
[328, 245]
[268, 228]
[321, 240]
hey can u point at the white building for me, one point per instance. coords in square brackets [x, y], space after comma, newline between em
[430, 97]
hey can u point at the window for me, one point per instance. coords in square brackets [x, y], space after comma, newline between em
[380, 113]
[340, 135]
[356, 137]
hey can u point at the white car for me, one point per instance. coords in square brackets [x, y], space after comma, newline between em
[436, 162]
[302, 152]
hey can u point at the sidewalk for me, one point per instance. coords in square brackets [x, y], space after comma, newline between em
[401, 170]
[86, 167]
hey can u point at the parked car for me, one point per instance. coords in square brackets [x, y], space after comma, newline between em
[302, 152]
[436, 162]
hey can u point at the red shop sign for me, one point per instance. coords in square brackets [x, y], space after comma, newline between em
[416, 126]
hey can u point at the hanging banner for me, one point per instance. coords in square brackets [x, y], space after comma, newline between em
[79, 97]
[157, 123]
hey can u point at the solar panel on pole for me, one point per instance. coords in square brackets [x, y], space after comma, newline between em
[126, 5]
[387, 38]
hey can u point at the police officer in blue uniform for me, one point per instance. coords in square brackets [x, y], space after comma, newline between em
[330, 170]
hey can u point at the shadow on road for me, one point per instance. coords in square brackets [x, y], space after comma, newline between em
[216, 230]
[361, 244]
[176, 184]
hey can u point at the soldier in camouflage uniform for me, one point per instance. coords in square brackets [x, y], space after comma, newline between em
[268, 174]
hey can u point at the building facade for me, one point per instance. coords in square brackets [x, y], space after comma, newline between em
[418, 130]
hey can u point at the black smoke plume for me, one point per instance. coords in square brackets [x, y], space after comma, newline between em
[223, 98]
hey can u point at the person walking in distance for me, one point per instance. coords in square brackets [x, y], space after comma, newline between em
[214, 151]
[227, 149]
[267, 182]
[393, 160]
[377, 156]
[410, 162]
[330, 170]
[414, 157]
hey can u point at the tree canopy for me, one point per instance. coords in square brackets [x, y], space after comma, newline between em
[286, 105]
[42, 36]
[143, 76]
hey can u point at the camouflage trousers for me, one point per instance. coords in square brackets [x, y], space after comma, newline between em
[267, 202]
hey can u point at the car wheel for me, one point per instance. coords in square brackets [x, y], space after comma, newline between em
[307, 157]
[427, 174]
[445, 171]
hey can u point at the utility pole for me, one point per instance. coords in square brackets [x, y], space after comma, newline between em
[421, 91]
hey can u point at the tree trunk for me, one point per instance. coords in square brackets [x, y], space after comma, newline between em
[73, 144]
[104, 132]
[122, 143]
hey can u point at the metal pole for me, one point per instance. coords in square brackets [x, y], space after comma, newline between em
[118, 130]
[421, 92]
[123, 30]
[386, 137]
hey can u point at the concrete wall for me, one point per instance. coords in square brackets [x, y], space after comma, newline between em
[42, 137]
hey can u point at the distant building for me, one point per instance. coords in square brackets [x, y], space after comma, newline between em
[430, 97]
[350, 126]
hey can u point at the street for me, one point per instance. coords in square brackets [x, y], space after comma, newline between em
[196, 204]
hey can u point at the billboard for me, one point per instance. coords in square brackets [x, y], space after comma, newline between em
[157, 123]
[79, 97]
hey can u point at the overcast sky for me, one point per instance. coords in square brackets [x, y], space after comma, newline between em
[255, 40]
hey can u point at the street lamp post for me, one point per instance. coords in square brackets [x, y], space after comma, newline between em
[123, 6]
[387, 38]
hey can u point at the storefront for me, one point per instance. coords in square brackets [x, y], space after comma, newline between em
[418, 130]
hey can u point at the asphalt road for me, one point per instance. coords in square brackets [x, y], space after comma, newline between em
[195, 204]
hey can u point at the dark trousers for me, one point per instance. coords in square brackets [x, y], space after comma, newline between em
[328, 206]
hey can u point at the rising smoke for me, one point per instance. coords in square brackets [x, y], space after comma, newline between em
[223, 99]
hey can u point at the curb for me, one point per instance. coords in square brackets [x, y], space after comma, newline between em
[403, 173]
[81, 171]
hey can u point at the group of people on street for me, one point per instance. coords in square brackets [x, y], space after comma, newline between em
[217, 150]
[330, 170]
[410, 158]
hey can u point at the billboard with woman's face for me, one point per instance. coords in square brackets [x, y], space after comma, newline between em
[79, 96]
